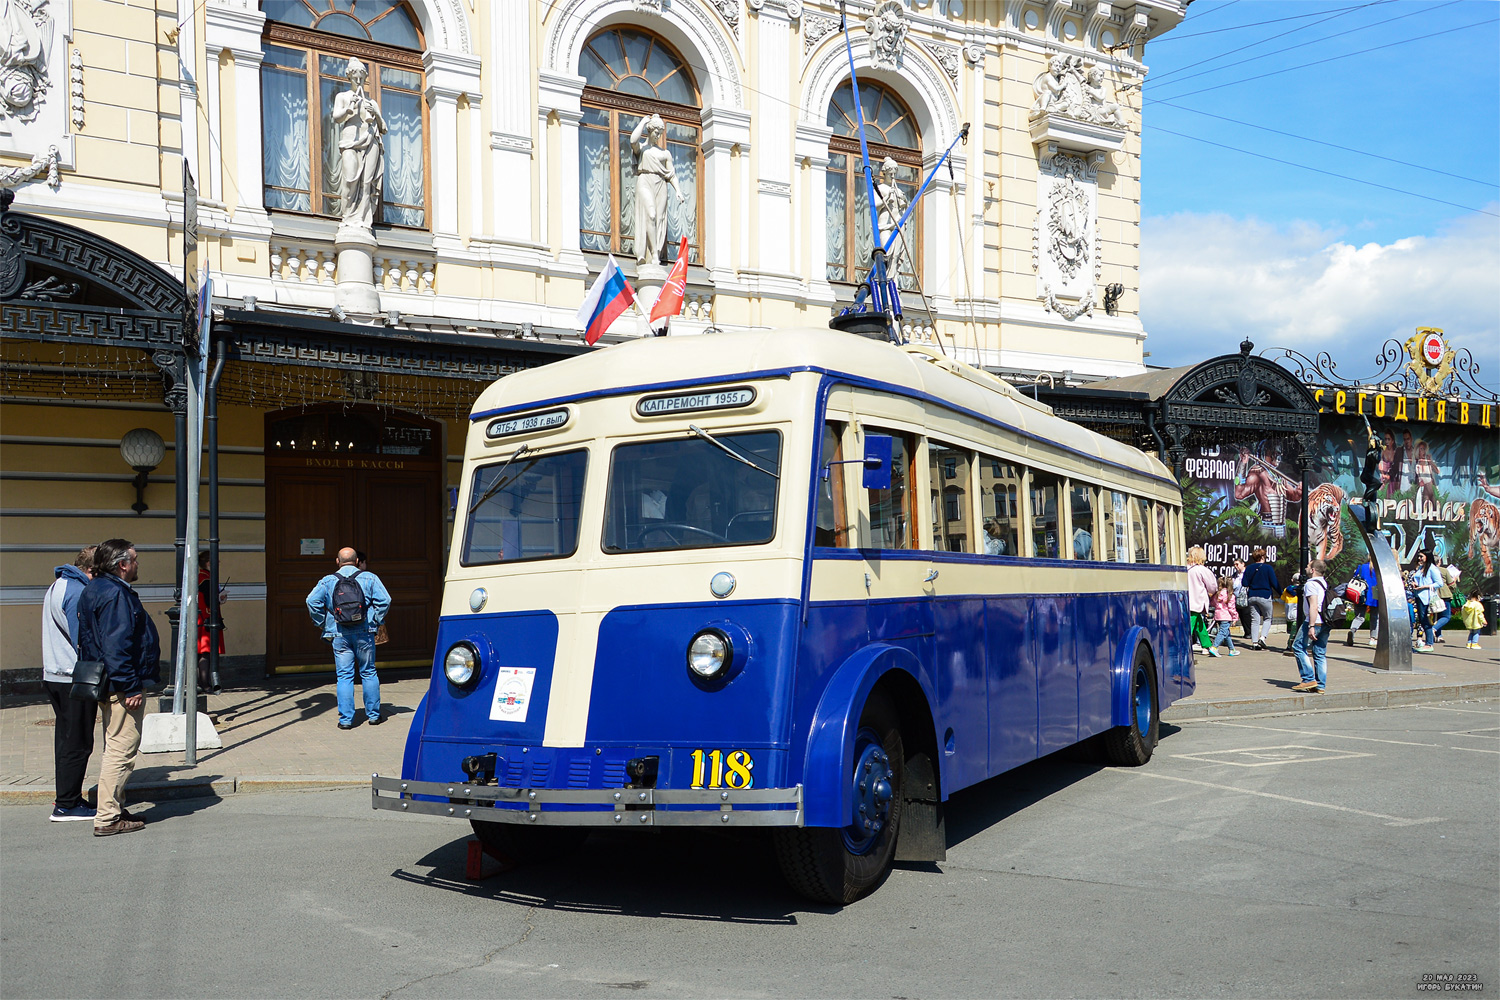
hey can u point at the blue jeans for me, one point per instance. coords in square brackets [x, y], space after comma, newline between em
[1222, 636]
[353, 649]
[1317, 670]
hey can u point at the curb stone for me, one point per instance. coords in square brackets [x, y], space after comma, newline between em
[197, 787]
[1292, 704]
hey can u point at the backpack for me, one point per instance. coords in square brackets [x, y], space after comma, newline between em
[348, 600]
[1334, 602]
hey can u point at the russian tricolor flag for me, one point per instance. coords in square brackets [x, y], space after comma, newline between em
[610, 296]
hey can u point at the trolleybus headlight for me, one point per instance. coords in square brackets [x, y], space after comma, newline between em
[710, 654]
[461, 663]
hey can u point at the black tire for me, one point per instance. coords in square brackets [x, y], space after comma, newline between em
[527, 845]
[1131, 745]
[822, 863]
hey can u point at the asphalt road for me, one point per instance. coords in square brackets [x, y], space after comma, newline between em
[1337, 855]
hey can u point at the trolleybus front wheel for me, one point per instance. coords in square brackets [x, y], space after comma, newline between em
[1131, 745]
[523, 845]
[841, 865]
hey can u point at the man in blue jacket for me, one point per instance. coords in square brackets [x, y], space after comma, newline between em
[351, 629]
[1368, 605]
[114, 627]
[73, 720]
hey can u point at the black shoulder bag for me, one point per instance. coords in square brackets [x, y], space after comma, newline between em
[90, 681]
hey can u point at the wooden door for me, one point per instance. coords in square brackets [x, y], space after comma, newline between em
[357, 477]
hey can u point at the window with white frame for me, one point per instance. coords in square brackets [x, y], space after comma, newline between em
[890, 131]
[308, 48]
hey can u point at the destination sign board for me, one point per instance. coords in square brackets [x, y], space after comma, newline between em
[692, 402]
[509, 426]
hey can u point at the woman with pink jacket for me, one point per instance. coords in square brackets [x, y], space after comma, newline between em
[1201, 585]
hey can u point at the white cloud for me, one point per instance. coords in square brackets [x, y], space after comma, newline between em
[1208, 281]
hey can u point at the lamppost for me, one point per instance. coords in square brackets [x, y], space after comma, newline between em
[143, 449]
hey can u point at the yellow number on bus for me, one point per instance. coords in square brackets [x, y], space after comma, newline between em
[708, 769]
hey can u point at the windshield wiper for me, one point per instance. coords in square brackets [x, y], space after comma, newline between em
[495, 486]
[700, 432]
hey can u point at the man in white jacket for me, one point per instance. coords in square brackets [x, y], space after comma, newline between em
[73, 733]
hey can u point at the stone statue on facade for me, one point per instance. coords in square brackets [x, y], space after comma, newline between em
[654, 174]
[25, 31]
[361, 152]
[1073, 88]
[890, 205]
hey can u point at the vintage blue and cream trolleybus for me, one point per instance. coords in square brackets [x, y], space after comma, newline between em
[794, 579]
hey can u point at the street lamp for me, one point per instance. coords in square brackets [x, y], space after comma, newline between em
[143, 449]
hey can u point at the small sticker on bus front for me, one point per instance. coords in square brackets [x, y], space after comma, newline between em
[512, 694]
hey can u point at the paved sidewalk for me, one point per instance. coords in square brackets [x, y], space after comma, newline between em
[285, 735]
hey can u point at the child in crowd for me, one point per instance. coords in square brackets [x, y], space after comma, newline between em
[1225, 614]
[1473, 619]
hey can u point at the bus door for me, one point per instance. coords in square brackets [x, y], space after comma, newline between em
[897, 612]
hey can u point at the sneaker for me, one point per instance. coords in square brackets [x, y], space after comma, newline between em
[78, 812]
[1314, 690]
[1234, 652]
[377, 720]
[1373, 643]
[119, 826]
[1214, 652]
[1349, 641]
[1305, 686]
[346, 725]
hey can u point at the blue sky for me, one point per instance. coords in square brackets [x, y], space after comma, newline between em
[1235, 244]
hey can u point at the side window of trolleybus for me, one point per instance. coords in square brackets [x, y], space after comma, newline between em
[1163, 533]
[1114, 526]
[691, 493]
[999, 495]
[891, 523]
[832, 526]
[949, 472]
[1081, 506]
[1140, 520]
[525, 509]
[1044, 510]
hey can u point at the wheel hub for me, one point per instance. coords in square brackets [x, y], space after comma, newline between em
[872, 794]
[1142, 704]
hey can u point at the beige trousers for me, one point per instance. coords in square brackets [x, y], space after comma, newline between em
[122, 739]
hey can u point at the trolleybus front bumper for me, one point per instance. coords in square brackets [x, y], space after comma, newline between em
[592, 807]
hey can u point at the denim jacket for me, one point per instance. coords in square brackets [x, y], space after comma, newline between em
[320, 603]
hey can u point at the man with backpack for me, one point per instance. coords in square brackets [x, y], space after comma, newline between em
[348, 605]
[1314, 630]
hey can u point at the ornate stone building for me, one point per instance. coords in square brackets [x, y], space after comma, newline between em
[400, 199]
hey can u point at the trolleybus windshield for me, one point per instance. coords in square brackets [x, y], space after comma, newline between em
[526, 508]
[689, 493]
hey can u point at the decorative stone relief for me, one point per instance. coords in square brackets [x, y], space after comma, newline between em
[41, 164]
[945, 56]
[974, 55]
[27, 36]
[730, 11]
[815, 28]
[648, 6]
[1065, 240]
[1072, 87]
[888, 28]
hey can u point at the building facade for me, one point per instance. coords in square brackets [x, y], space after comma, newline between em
[400, 200]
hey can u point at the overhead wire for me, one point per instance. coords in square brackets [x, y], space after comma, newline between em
[1289, 48]
[1346, 55]
[1320, 170]
[1322, 142]
[1174, 37]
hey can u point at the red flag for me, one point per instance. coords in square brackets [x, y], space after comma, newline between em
[669, 302]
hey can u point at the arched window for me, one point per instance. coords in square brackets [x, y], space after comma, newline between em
[890, 130]
[309, 44]
[629, 75]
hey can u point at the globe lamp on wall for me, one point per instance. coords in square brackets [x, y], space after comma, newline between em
[143, 449]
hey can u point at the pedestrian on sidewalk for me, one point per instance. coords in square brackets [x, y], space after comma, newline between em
[1426, 581]
[113, 626]
[1290, 600]
[1260, 583]
[1241, 599]
[1474, 619]
[1368, 604]
[1314, 630]
[1443, 609]
[73, 720]
[206, 683]
[349, 605]
[1201, 585]
[1224, 615]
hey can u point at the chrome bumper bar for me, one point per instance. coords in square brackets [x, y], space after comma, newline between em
[593, 807]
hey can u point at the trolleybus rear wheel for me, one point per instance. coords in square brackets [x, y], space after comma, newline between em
[841, 865]
[523, 845]
[1131, 745]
